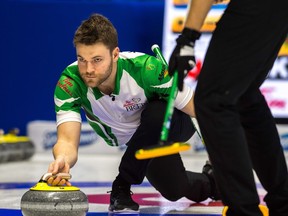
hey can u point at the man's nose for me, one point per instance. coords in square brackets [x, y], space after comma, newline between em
[90, 67]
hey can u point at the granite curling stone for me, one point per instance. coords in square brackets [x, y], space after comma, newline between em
[45, 200]
[14, 147]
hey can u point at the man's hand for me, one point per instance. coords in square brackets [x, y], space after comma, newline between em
[182, 58]
[58, 166]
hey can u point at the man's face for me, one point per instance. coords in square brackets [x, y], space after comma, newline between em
[95, 63]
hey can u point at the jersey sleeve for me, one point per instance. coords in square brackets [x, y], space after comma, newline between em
[67, 100]
[156, 80]
[160, 83]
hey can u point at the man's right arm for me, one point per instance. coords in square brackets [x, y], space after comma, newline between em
[65, 150]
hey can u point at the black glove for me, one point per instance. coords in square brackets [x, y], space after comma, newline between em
[182, 58]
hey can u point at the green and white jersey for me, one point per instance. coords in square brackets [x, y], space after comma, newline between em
[140, 78]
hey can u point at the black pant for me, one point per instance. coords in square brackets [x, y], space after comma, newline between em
[167, 174]
[235, 120]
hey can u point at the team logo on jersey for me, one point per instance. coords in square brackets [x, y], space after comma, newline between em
[136, 100]
[65, 84]
[150, 67]
[133, 104]
[163, 74]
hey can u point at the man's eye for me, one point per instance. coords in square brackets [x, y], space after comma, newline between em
[96, 60]
[81, 60]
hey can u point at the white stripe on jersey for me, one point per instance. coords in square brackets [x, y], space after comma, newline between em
[59, 102]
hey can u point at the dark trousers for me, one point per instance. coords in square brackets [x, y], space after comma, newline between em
[235, 120]
[167, 174]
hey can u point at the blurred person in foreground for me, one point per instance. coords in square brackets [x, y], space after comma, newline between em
[236, 123]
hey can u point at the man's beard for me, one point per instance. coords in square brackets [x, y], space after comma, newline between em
[99, 80]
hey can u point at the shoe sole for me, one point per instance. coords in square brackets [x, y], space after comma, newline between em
[262, 208]
[123, 211]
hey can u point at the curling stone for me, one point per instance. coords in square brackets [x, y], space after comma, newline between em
[45, 200]
[14, 147]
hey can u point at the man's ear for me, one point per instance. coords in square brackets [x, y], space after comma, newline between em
[115, 54]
